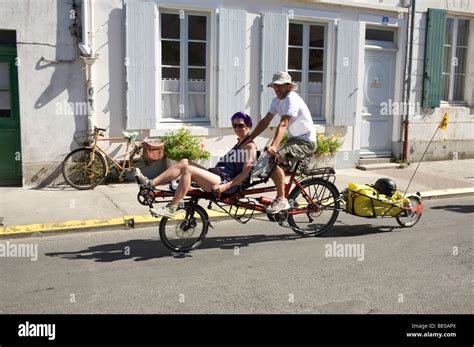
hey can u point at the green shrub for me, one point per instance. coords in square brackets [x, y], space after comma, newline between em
[181, 144]
[283, 140]
[327, 145]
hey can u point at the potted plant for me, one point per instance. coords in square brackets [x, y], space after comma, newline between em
[326, 149]
[180, 144]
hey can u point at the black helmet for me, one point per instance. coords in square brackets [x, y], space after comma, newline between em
[386, 186]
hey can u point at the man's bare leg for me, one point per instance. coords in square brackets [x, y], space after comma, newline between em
[278, 177]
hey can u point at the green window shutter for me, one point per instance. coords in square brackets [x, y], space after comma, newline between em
[434, 46]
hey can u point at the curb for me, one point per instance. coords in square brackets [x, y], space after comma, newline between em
[136, 221]
[127, 222]
[447, 193]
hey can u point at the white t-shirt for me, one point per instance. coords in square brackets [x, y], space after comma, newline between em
[301, 123]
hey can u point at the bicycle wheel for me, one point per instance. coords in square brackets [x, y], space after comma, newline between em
[136, 158]
[187, 231]
[84, 169]
[408, 218]
[322, 212]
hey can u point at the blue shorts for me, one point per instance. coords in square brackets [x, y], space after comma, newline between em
[225, 178]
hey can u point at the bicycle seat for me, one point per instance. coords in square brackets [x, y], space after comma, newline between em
[130, 136]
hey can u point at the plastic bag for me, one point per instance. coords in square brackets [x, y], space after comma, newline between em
[262, 166]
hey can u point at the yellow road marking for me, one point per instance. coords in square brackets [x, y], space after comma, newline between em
[85, 224]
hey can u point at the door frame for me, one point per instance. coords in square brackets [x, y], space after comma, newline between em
[9, 54]
[389, 47]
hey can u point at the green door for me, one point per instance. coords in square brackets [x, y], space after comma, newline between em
[10, 141]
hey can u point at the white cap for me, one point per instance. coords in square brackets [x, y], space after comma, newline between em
[281, 77]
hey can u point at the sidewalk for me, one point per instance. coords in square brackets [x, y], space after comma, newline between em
[25, 212]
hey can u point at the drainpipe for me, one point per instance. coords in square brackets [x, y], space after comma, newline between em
[88, 56]
[410, 60]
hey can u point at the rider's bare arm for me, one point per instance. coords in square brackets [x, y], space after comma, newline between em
[251, 149]
[280, 131]
[261, 126]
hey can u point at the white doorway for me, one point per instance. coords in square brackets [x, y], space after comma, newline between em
[379, 84]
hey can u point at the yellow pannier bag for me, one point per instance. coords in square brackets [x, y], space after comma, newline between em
[364, 200]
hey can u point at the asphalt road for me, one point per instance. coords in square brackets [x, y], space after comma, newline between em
[424, 269]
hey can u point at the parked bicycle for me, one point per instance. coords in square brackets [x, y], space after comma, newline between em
[88, 166]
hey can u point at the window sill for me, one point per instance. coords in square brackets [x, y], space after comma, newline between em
[196, 129]
[453, 104]
[319, 121]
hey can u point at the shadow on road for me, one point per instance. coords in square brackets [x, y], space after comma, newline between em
[344, 230]
[140, 250]
[455, 208]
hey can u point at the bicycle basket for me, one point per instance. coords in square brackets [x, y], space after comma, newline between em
[83, 138]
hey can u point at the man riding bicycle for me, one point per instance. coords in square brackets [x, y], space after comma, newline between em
[296, 119]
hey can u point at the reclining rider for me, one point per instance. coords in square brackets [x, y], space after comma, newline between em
[231, 170]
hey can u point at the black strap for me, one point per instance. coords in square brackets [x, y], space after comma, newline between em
[238, 143]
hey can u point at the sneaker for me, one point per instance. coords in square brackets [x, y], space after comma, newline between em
[278, 205]
[143, 180]
[166, 211]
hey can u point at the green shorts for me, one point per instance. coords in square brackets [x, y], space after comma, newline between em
[296, 149]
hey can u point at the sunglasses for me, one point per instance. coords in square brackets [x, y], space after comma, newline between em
[238, 125]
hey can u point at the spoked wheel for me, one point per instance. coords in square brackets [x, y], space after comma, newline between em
[409, 217]
[187, 231]
[137, 160]
[84, 169]
[319, 202]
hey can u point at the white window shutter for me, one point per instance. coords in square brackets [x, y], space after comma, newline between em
[141, 60]
[274, 56]
[347, 68]
[231, 74]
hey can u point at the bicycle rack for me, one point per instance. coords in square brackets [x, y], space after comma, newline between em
[326, 173]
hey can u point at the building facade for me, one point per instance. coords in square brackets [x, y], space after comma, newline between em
[155, 66]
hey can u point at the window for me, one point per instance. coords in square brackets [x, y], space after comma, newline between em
[5, 107]
[454, 61]
[306, 54]
[379, 35]
[184, 58]
[7, 38]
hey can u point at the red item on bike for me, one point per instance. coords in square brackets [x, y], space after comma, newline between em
[264, 201]
[153, 150]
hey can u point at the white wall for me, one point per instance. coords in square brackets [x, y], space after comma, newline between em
[42, 30]
[424, 122]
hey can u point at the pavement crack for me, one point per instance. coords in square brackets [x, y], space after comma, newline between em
[39, 290]
[112, 201]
